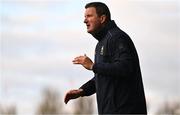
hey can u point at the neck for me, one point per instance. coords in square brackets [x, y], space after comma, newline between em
[103, 30]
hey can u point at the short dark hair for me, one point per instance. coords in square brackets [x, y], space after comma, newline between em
[101, 9]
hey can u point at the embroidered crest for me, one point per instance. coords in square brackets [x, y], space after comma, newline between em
[102, 50]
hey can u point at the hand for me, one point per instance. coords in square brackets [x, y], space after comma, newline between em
[73, 94]
[85, 61]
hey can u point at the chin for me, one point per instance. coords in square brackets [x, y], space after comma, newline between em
[90, 31]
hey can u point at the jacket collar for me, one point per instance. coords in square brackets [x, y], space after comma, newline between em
[101, 34]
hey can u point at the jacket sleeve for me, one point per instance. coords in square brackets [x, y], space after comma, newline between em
[89, 88]
[122, 61]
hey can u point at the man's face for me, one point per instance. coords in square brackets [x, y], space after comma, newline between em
[92, 20]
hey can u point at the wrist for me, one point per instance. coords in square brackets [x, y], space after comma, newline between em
[91, 68]
[81, 92]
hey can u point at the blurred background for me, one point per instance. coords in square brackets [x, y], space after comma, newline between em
[40, 38]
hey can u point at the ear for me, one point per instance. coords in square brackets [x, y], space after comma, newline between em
[103, 19]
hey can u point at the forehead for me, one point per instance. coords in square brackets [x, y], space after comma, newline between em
[90, 10]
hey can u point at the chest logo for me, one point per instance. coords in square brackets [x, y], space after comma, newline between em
[102, 50]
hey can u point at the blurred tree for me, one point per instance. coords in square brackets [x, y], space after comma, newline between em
[170, 108]
[50, 103]
[8, 110]
[84, 105]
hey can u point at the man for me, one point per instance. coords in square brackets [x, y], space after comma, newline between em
[117, 79]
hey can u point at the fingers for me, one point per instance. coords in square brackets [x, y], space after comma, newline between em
[72, 94]
[66, 99]
[78, 60]
[85, 61]
[69, 96]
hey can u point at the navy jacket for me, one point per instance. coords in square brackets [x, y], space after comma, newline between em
[117, 81]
